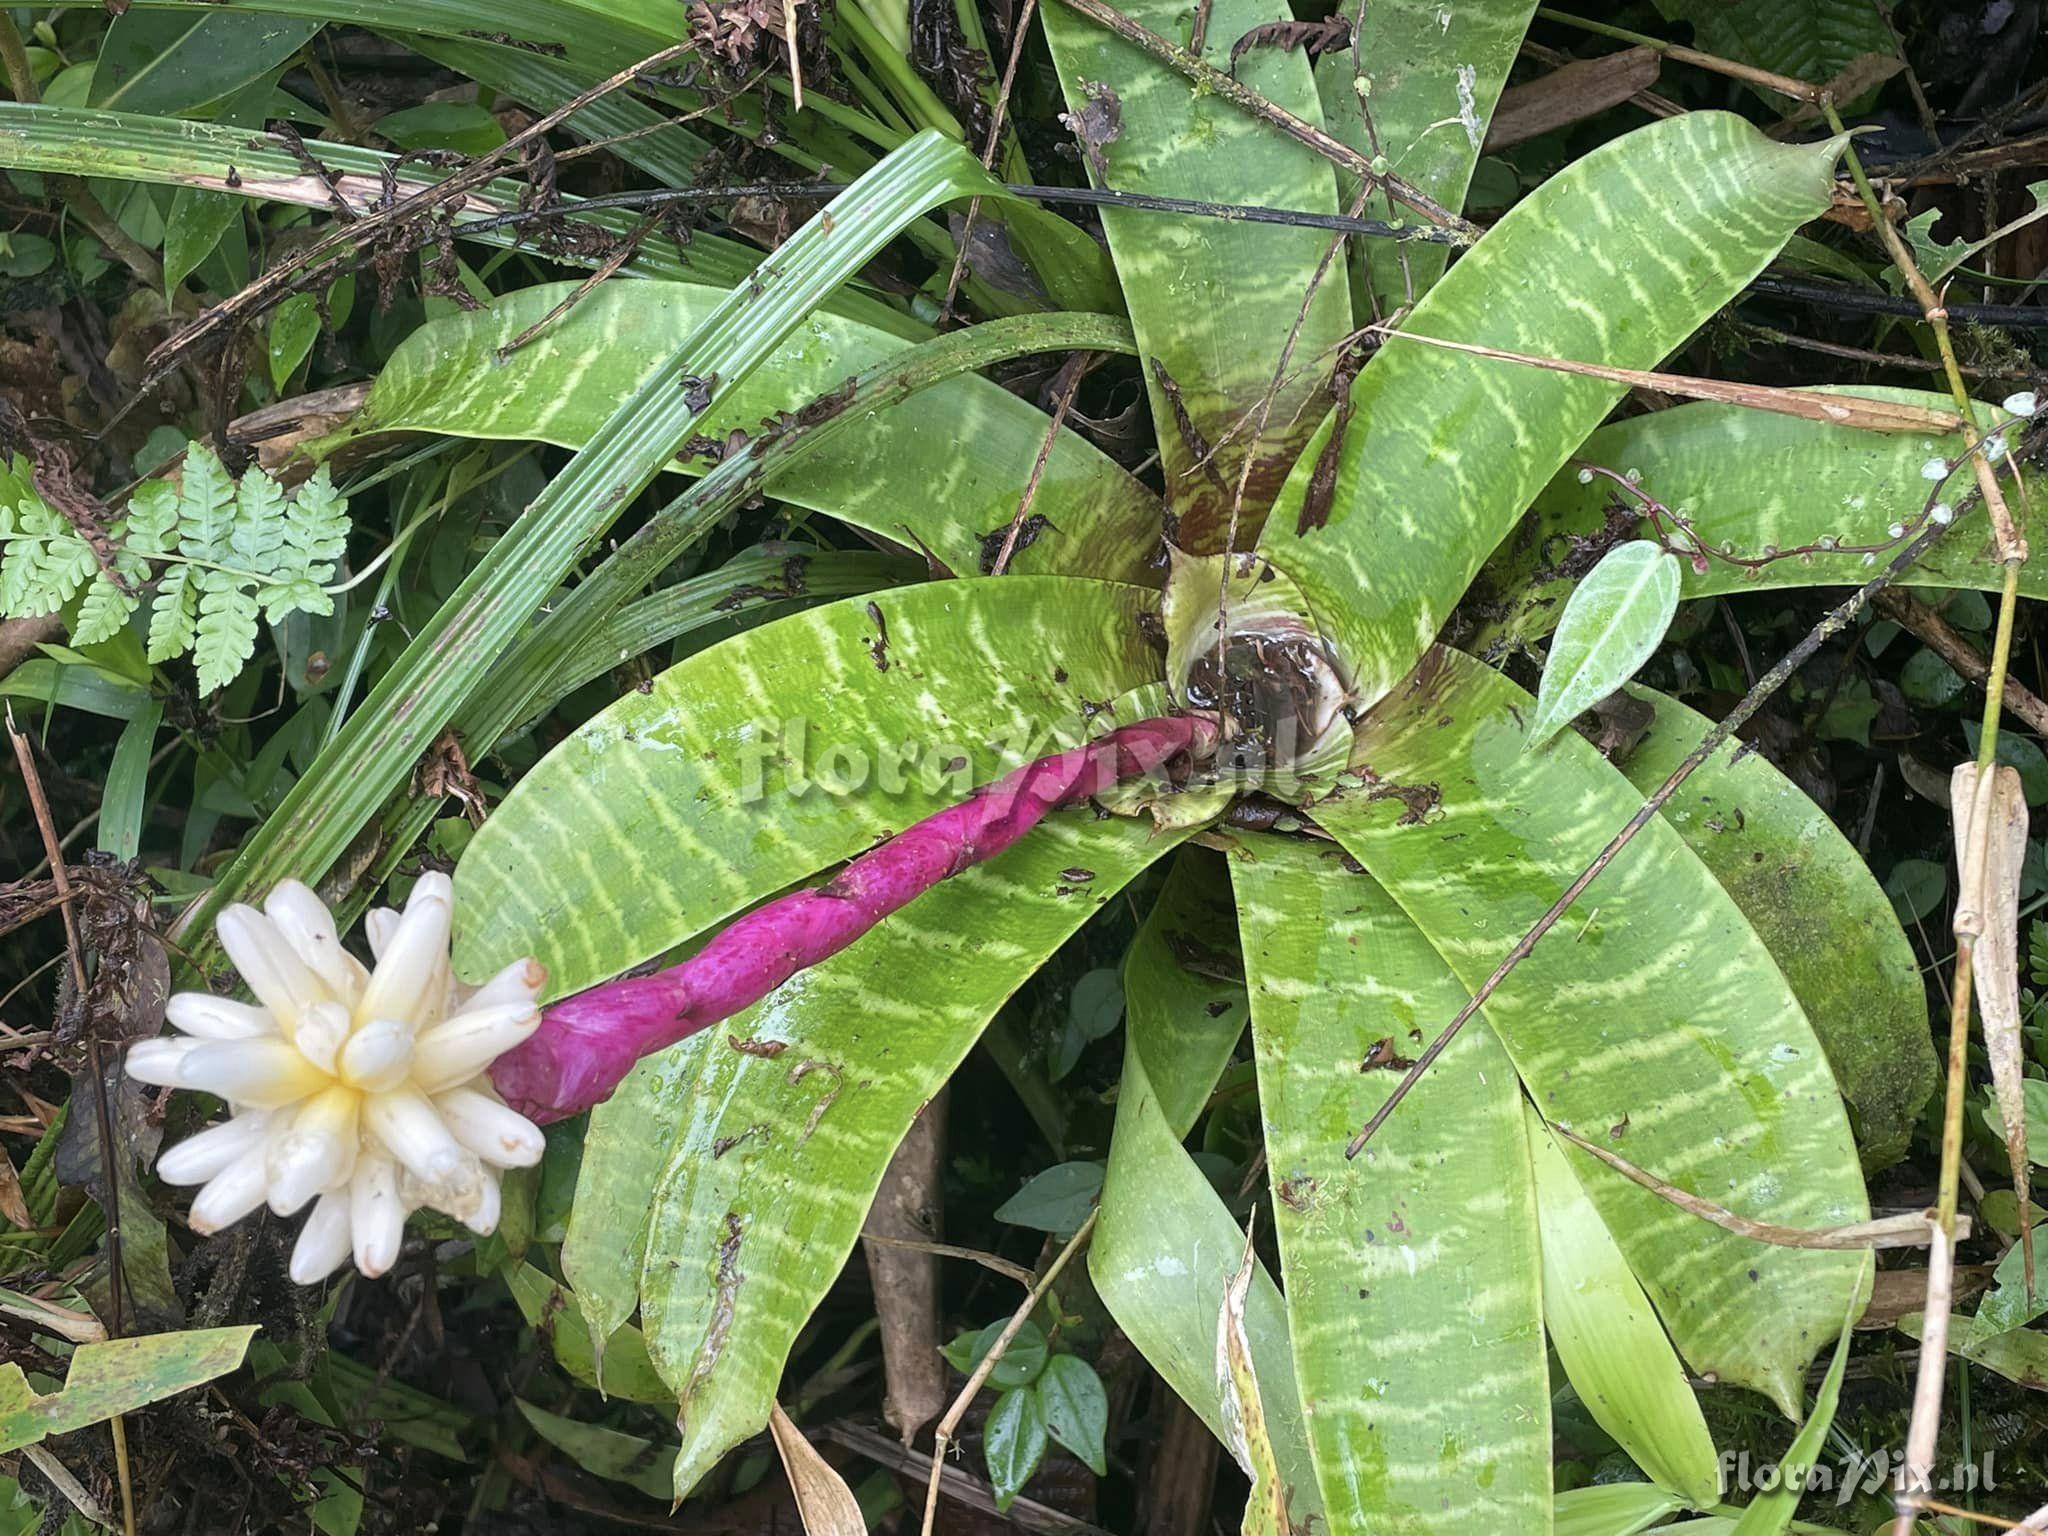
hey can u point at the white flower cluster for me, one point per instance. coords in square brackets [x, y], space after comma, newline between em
[358, 1090]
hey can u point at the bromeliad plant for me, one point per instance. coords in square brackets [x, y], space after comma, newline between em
[1728, 985]
[1730, 981]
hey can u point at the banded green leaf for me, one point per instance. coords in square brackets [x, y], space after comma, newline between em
[761, 583]
[1166, 1248]
[944, 470]
[1815, 904]
[1430, 75]
[1444, 450]
[1755, 483]
[1656, 978]
[1608, 1338]
[1613, 622]
[1213, 302]
[758, 762]
[774, 1159]
[1413, 1295]
[373, 753]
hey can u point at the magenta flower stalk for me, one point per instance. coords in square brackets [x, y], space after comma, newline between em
[586, 1044]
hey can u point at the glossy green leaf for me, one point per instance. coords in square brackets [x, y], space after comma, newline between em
[115, 1376]
[1770, 1513]
[1753, 482]
[1013, 1443]
[194, 226]
[1652, 1015]
[1412, 1270]
[1614, 621]
[944, 470]
[775, 1158]
[1056, 1201]
[1076, 1408]
[756, 763]
[1165, 1245]
[126, 791]
[1613, 1509]
[294, 327]
[173, 61]
[463, 126]
[602, 1452]
[1608, 1338]
[1814, 902]
[1213, 302]
[1430, 74]
[2007, 1305]
[1022, 1361]
[1444, 449]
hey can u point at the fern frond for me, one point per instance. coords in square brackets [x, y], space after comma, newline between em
[106, 608]
[318, 529]
[45, 562]
[174, 618]
[206, 508]
[150, 526]
[226, 636]
[260, 517]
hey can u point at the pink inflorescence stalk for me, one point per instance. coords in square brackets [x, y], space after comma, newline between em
[587, 1043]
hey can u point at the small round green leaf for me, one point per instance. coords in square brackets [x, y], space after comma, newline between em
[1056, 1201]
[1021, 1362]
[1013, 1443]
[1927, 679]
[1076, 1408]
[1612, 623]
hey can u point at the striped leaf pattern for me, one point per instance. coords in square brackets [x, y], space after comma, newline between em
[1818, 909]
[1166, 1247]
[1653, 1016]
[1444, 450]
[1412, 1272]
[758, 762]
[1751, 482]
[774, 1159]
[1213, 301]
[894, 473]
[1430, 74]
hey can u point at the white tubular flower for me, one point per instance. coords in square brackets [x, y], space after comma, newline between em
[358, 1092]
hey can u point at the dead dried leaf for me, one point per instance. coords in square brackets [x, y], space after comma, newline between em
[1991, 845]
[823, 1501]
